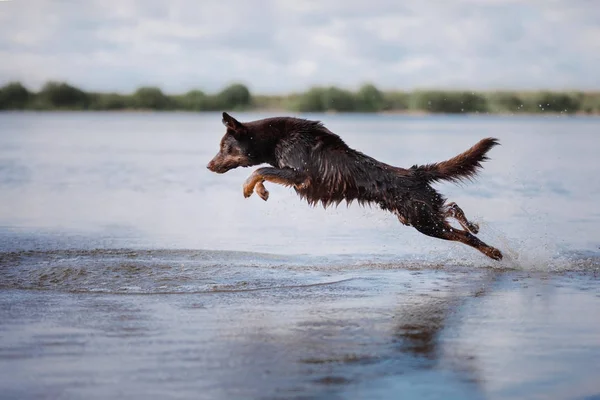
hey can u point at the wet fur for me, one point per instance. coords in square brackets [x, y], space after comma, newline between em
[321, 168]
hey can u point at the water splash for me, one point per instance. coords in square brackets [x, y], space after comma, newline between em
[541, 253]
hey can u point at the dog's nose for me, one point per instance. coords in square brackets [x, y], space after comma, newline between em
[209, 165]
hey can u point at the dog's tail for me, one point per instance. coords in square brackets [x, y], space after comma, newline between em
[461, 167]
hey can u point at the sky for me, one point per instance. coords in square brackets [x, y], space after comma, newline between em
[282, 46]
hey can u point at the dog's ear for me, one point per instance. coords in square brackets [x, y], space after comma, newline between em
[232, 123]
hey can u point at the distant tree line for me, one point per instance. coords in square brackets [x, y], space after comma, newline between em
[62, 96]
[368, 98]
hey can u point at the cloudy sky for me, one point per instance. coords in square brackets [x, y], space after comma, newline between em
[277, 46]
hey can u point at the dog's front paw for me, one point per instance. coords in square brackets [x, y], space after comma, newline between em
[248, 189]
[261, 191]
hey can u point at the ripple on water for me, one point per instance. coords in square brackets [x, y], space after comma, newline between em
[198, 271]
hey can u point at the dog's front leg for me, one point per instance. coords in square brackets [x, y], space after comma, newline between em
[282, 176]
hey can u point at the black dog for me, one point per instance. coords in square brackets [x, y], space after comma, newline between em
[322, 168]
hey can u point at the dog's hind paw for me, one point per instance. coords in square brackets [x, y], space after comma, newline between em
[474, 228]
[261, 191]
[494, 254]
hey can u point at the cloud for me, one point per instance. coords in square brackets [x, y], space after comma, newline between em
[288, 45]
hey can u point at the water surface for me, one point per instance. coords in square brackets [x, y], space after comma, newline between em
[128, 270]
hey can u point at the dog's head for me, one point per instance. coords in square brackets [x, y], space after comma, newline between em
[235, 150]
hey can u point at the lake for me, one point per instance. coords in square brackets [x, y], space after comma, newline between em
[128, 270]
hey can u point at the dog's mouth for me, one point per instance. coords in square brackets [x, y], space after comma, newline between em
[219, 169]
[222, 168]
[220, 165]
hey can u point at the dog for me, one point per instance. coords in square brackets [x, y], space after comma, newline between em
[317, 163]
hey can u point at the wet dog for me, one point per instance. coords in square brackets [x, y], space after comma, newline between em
[321, 168]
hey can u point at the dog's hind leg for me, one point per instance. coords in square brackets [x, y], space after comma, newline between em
[403, 220]
[283, 176]
[470, 240]
[440, 229]
[454, 211]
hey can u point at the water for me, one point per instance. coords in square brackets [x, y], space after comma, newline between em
[128, 270]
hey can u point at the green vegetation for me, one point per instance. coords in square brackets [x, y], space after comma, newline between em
[449, 102]
[237, 97]
[61, 96]
[14, 96]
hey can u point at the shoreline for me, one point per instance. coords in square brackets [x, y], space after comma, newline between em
[365, 99]
[410, 113]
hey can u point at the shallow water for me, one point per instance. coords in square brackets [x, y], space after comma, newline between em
[128, 270]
